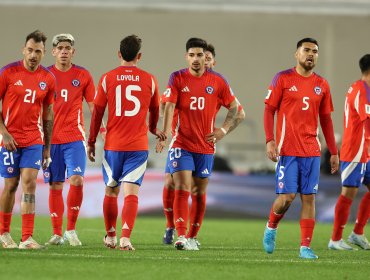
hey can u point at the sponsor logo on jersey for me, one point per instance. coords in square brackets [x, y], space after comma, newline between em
[317, 90]
[293, 88]
[42, 85]
[18, 83]
[209, 90]
[185, 89]
[75, 83]
[10, 169]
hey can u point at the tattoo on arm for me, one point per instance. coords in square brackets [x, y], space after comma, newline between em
[29, 198]
[48, 126]
[231, 120]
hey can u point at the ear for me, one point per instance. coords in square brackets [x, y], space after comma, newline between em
[139, 56]
[73, 51]
[119, 55]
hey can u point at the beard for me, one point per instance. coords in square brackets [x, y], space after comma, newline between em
[307, 67]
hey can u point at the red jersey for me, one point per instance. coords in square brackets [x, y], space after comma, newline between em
[299, 102]
[72, 87]
[356, 110]
[175, 114]
[24, 93]
[197, 100]
[130, 93]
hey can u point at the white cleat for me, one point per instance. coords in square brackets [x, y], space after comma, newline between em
[7, 241]
[125, 244]
[192, 244]
[55, 240]
[340, 245]
[72, 238]
[182, 243]
[30, 244]
[110, 241]
[359, 240]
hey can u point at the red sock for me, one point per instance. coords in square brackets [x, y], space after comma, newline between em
[274, 219]
[363, 214]
[28, 221]
[181, 211]
[56, 208]
[129, 212]
[168, 198]
[307, 227]
[74, 201]
[197, 210]
[5, 220]
[341, 215]
[110, 210]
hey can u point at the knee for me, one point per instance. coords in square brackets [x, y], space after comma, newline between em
[112, 192]
[76, 180]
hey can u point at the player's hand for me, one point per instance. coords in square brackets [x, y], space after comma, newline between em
[215, 136]
[161, 135]
[46, 159]
[159, 146]
[9, 143]
[91, 153]
[334, 163]
[271, 151]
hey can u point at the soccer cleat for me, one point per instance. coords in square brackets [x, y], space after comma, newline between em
[269, 238]
[339, 245]
[168, 236]
[307, 253]
[55, 240]
[30, 244]
[110, 241]
[125, 244]
[192, 244]
[197, 241]
[359, 240]
[7, 241]
[182, 243]
[72, 238]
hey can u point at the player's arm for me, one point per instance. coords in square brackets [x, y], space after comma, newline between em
[9, 143]
[103, 129]
[96, 121]
[328, 131]
[48, 123]
[268, 120]
[167, 124]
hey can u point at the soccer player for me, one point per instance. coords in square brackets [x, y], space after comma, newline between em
[130, 93]
[27, 92]
[68, 151]
[355, 165]
[300, 97]
[169, 187]
[196, 93]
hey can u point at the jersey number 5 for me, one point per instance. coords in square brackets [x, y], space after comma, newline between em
[128, 94]
[306, 104]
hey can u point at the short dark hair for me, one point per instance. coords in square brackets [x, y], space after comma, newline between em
[37, 36]
[196, 43]
[307, 40]
[210, 48]
[130, 47]
[365, 63]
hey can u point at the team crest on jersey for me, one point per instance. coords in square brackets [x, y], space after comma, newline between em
[42, 85]
[10, 169]
[317, 90]
[46, 174]
[209, 90]
[75, 83]
[281, 185]
[174, 164]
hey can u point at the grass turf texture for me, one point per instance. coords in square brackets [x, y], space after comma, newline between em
[231, 249]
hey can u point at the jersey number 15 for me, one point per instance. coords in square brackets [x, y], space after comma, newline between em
[128, 94]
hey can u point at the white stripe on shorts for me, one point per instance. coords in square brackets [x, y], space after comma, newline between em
[135, 174]
[111, 181]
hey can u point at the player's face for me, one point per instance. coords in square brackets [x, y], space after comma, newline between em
[33, 53]
[63, 53]
[307, 55]
[210, 60]
[196, 59]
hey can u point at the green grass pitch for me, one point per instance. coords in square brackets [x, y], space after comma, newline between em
[231, 249]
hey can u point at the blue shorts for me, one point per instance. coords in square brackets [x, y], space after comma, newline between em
[124, 167]
[12, 162]
[297, 175]
[353, 174]
[180, 159]
[68, 156]
[167, 168]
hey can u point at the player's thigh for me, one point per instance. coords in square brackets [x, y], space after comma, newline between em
[9, 163]
[286, 175]
[75, 158]
[199, 186]
[353, 174]
[57, 168]
[134, 167]
[28, 179]
[309, 175]
[183, 180]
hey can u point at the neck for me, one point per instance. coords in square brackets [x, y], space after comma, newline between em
[129, 63]
[303, 72]
[63, 67]
[198, 73]
[28, 68]
[366, 79]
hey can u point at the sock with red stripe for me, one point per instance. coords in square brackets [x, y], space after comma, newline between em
[307, 227]
[363, 214]
[197, 210]
[341, 214]
[74, 201]
[56, 208]
[168, 198]
[28, 221]
[5, 221]
[129, 212]
[110, 211]
[181, 211]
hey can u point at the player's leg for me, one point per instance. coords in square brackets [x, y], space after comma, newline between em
[168, 197]
[309, 170]
[286, 188]
[54, 175]
[352, 174]
[358, 237]
[132, 176]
